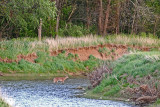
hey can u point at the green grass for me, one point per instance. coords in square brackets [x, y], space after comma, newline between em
[3, 104]
[50, 64]
[136, 64]
[156, 104]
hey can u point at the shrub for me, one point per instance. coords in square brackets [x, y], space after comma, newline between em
[73, 30]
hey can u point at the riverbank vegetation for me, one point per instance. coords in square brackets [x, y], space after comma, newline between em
[134, 76]
[3, 104]
[27, 55]
[51, 64]
[24, 46]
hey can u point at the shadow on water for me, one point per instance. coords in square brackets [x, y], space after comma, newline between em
[45, 93]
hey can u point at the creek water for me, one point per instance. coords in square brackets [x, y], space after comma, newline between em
[45, 93]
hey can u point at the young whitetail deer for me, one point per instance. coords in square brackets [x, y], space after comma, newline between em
[61, 79]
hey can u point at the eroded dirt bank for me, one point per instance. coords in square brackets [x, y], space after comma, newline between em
[114, 52]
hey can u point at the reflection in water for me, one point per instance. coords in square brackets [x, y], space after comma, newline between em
[47, 94]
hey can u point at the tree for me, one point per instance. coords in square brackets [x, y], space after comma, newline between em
[106, 17]
[22, 16]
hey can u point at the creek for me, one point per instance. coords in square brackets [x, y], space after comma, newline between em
[45, 93]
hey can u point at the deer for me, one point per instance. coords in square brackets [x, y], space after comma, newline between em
[61, 79]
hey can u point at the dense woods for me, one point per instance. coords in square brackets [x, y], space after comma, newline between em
[20, 18]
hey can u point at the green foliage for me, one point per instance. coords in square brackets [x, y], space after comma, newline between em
[42, 57]
[158, 101]
[92, 63]
[73, 30]
[143, 34]
[111, 81]
[103, 50]
[70, 56]
[3, 104]
[23, 16]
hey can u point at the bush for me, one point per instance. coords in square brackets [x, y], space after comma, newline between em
[73, 30]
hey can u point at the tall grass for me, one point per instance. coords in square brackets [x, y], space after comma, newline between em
[11, 48]
[133, 40]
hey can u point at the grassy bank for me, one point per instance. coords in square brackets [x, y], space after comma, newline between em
[35, 56]
[24, 46]
[42, 62]
[47, 64]
[133, 76]
[3, 104]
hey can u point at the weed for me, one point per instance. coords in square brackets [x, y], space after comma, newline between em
[103, 50]
[70, 56]
[3, 104]
[113, 50]
[114, 90]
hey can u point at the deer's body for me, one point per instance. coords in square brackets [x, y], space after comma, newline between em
[60, 79]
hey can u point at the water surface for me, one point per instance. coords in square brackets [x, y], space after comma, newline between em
[44, 93]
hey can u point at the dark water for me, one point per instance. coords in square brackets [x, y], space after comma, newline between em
[47, 94]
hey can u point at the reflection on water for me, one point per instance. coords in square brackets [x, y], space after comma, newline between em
[47, 94]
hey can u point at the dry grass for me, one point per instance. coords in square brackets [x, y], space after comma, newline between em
[134, 40]
[69, 42]
[90, 40]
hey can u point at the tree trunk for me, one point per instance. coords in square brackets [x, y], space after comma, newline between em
[134, 17]
[100, 17]
[40, 30]
[155, 27]
[118, 18]
[0, 35]
[57, 24]
[106, 18]
[88, 15]
[71, 14]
